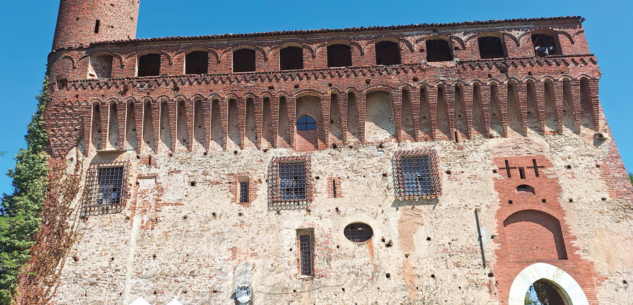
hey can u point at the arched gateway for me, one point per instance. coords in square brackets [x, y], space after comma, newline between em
[569, 288]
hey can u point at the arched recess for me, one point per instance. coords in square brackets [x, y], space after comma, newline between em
[379, 120]
[96, 126]
[532, 107]
[182, 135]
[251, 127]
[442, 113]
[284, 136]
[531, 274]
[130, 126]
[460, 113]
[407, 115]
[586, 104]
[290, 56]
[568, 110]
[100, 65]
[514, 111]
[539, 233]
[234, 125]
[335, 120]
[148, 126]
[495, 111]
[478, 111]
[216, 125]
[307, 138]
[550, 107]
[113, 127]
[425, 113]
[165, 127]
[267, 124]
[198, 124]
[352, 117]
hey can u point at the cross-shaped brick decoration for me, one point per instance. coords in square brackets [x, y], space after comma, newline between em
[535, 167]
[508, 168]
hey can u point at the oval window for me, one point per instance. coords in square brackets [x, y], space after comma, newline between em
[358, 232]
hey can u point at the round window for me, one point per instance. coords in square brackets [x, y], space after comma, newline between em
[358, 232]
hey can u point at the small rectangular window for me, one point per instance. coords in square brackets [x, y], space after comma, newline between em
[244, 192]
[305, 248]
[416, 174]
[334, 188]
[105, 189]
[97, 25]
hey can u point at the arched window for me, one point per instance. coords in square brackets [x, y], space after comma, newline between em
[197, 62]
[306, 122]
[545, 292]
[545, 45]
[491, 47]
[525, 189]
[387, 53]
[291, 58]
[244, 60]
[438, 50]
[149, 65]
[339, 55]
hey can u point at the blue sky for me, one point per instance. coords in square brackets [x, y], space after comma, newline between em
[28, 27]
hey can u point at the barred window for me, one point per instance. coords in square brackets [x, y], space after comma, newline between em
[305, 248]
[416, 175]
[243, 192]
[105, 189]
[289, 182]
[358, 232]
[293, 181]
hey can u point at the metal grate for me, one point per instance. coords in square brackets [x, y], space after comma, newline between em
[106, 189]
[358, 232]
[305, 246]
[416, 174]
[243, 192]
[289, 183]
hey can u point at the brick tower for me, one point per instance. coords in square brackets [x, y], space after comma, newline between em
[81, 22]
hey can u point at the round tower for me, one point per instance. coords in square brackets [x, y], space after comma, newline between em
[81, 22]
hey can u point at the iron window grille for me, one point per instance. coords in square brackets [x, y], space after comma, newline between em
[358, 232]
[305, 247]
[289, 183]
[243, 192]
[106, 189]
[416, 175]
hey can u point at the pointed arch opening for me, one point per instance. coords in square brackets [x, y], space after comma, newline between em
[165, 126]
[182, 135]
[113, 127]
[148, 126]
[564, 285]
[251, 127]
[216, 126]
[407, 115]
[478, 112]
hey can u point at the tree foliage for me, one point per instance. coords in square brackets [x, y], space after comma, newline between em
[20, 211]
[631, 177]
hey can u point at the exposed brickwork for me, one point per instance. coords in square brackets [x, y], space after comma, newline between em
[192, 138]
[533, 227]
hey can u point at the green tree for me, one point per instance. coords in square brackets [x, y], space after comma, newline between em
[631, 177]
[20, 211]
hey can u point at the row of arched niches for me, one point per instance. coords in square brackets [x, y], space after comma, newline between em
[377, 114]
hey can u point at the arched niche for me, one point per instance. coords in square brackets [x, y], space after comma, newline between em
[540, 235]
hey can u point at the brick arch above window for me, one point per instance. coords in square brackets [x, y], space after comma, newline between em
[534, 235]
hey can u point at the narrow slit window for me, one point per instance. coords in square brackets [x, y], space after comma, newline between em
[305, 247]
[97, 26]
[334, 188]
[244, 192]
[522, 172]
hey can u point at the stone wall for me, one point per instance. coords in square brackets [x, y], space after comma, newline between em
[178, 239]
